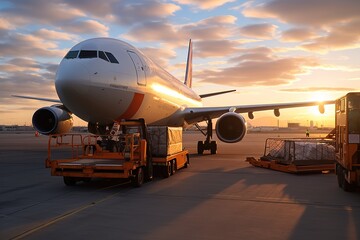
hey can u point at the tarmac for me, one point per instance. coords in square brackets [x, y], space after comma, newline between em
[218, 197]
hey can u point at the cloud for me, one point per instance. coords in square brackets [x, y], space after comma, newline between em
[52, 34]
[40, 11]
[5, 24]
[28, 45]
[215, 48]
[86, 27]
[318, 89]
[262, 31]
[305, 12]
[153, 31]
[253, 54]
[204, 4]
[259, 69]
[20, 65]
[26, 76]
[214, 28]
[342, 36]
[132, 12]
[298, 35]
[159, 55]
[56, 13]
[338, 21]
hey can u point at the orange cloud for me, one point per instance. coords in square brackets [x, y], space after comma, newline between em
[204, 4]
[298, 35]
[262, 31]
[270, 72]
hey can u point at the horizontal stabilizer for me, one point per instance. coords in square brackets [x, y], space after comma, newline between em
[215, 93]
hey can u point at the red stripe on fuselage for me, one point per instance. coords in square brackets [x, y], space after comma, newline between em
[133, 107]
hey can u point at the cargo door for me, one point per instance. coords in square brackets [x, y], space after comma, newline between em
[140, 68]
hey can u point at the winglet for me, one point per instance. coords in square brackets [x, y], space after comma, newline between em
[188, 73]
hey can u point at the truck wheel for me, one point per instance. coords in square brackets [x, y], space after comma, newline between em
[86, 180]
[187, 161]
[173, 167]
[69, 181]
[166, 170]
[200, 147]
[149, 173]
[343, 183]
[138, 180]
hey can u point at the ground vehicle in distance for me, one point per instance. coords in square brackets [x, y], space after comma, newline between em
[126, 155]
[347, 135]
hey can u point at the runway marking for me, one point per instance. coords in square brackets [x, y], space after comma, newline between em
[71, 213]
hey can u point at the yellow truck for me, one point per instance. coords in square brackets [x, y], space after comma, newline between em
[126, 155]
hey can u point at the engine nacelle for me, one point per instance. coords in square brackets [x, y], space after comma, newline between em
[52, 120]
[230, 127]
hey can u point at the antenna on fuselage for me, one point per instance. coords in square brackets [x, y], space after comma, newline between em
[188, 73]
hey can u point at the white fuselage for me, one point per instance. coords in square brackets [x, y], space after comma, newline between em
[99, 89]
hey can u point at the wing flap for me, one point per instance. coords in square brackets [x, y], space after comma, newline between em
[193, 115]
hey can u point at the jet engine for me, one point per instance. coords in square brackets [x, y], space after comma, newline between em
[52, 120]
[230, 127]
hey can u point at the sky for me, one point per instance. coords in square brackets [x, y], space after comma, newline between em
[270, 51]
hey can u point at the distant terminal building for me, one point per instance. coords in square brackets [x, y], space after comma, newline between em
[14, 128]
[293, 125]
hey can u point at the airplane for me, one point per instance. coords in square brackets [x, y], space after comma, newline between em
[104, 81]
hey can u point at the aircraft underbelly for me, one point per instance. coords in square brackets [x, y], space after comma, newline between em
[154, 110]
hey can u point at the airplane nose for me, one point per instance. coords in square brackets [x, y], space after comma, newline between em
[72, 84]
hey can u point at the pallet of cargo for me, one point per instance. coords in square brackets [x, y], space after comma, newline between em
[297, 155]
[289, 168]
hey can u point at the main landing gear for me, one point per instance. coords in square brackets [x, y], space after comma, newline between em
[207, 144]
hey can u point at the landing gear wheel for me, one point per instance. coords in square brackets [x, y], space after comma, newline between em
[200, 147]
[138, 180]
[213, 147]
[69, 181]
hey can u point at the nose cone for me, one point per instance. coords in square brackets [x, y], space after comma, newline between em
[72, 85]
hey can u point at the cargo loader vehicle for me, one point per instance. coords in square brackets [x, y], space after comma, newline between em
[126, 153]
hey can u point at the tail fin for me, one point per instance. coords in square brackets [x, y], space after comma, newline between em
[188, 73]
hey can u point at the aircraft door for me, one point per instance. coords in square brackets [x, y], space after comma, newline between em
[140, 68]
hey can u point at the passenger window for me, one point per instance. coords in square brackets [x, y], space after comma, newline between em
[71, 54]
[103, 56]
[88, 54]
[111, 57]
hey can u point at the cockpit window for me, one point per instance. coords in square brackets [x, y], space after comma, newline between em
[103, 56]
[71, 54]
[88, 54]
[111, 57]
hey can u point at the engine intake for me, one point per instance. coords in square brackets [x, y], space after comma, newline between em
[52, 120]
[230, 127]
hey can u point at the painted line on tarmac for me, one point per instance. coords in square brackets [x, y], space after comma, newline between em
[69, 214]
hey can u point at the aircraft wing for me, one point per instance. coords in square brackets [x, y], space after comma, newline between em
[194, 115]
[40, 99]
